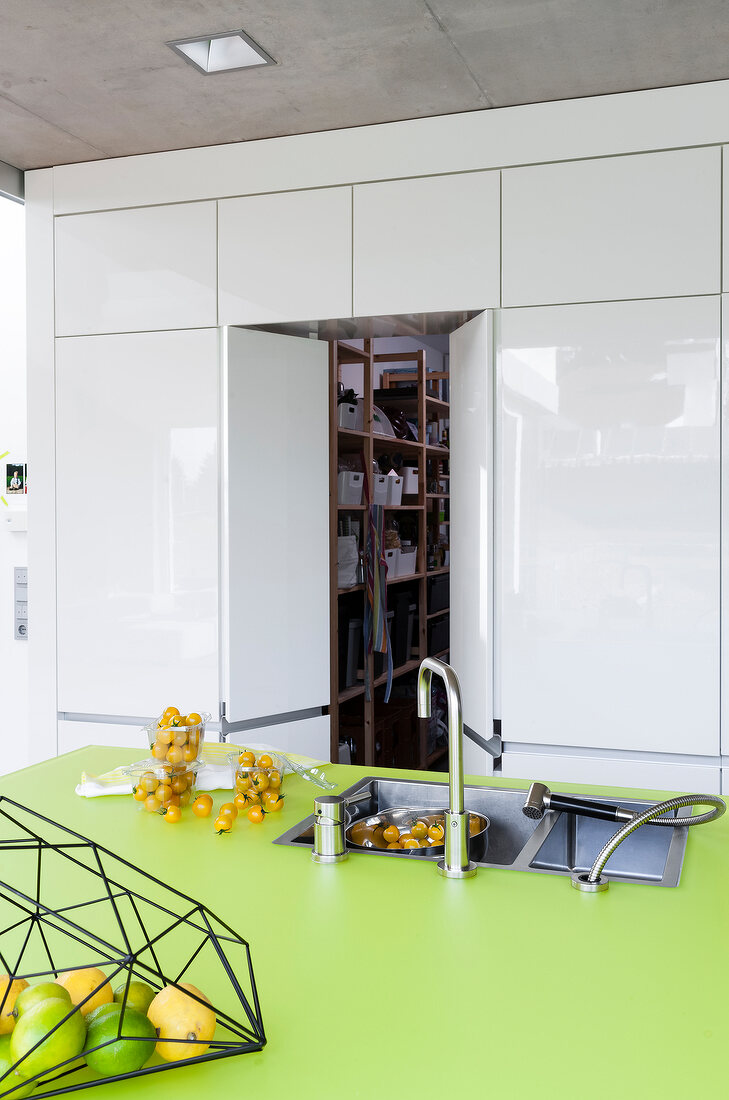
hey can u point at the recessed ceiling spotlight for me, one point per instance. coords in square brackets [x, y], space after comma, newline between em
[221, 53]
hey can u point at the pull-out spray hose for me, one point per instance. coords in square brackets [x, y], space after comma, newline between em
[593, 881]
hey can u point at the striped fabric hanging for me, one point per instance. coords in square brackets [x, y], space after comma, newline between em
[376, 633]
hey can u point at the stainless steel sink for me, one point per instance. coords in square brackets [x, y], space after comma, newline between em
[558, 844]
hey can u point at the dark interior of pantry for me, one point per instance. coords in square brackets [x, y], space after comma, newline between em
[389, 446]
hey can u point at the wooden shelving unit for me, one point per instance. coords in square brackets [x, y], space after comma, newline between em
[377, 729]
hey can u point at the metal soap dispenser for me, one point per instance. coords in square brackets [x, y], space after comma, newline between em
[329, 823]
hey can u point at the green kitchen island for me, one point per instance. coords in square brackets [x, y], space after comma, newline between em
[378, 979]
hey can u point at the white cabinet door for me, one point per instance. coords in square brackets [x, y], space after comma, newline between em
[137, 522]
[136, 270]
[286, 257]
[471, 530]
[645, 226]
[425, 245]
[276, 568]
[77, 735]
[725, 530]
[608, 525]
[306, 737]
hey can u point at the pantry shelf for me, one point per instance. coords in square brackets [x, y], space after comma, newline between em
[378, 732]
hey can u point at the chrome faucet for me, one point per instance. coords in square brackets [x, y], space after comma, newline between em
[456, 863]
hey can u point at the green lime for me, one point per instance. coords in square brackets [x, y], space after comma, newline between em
[140, 995]
[110, 1009]
[36, 994]
[15, 1078]
[120, 1055]
[35, 1029]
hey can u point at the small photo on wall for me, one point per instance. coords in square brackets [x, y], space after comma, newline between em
[14, 478]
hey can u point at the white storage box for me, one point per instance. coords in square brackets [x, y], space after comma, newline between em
[349, 487]
[410, 480]
[379, 489]
[407, 561]
[394, 489]
[392, 557]
[347, 415]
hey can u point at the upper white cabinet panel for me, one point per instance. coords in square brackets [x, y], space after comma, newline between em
[430, 244]
[136, 270]
[608, 525]
[137, 528]
[286, 257]
[643, 226]
[725, 220]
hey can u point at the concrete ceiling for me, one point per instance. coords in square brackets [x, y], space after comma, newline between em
[83, 80]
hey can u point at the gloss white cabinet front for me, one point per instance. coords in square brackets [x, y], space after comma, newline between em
[286, 257]
[136, 270]
[137, 522]
[608, 525]
[276, 547]
[425, 245]
[644, 226]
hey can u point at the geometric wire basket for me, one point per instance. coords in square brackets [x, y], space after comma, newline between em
[67, 903]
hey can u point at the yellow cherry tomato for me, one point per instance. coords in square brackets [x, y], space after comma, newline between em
[274, 778]
[247, 758]
[174, 754]
[436, 833]
[240, 802]
[395, 844]
[202, 805]
[255, 815]
[411, 843]
[169, 712]
[391, 834]
[139, 793]
[189, 752]
[264, 761]
[148, 782]
[223, 824]
[193, 719]
[228, 808]
[419, 830]
[159, 751]
[259, 780]
[151, 804]
[172, 814]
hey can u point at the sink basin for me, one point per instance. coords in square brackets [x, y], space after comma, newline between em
[557, 845]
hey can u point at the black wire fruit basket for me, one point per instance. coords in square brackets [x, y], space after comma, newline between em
[67, 904]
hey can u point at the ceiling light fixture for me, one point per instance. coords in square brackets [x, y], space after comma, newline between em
[221, 53]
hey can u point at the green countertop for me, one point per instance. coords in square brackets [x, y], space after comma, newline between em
[379, 979]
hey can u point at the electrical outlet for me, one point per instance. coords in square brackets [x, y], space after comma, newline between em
[21, 574]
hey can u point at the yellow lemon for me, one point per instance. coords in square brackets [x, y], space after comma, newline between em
[177, 1016]
[80, 983]
[17, 985]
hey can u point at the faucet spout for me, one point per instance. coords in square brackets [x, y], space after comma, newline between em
[456, 863]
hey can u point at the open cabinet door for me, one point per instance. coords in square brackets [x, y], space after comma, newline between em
[275, 568]
[471, 537]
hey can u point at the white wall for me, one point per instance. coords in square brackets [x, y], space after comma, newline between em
[13, 438]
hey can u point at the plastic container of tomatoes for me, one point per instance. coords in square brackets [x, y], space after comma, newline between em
[177, 739]
[257, 776]
[157, 787]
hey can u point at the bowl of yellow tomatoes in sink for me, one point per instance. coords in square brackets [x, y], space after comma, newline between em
[414, 833]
